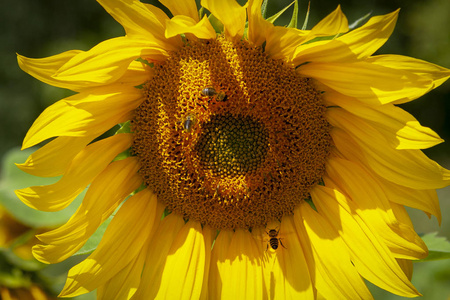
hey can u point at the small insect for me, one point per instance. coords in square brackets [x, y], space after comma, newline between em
[274, 239]
[211, 92]
[189, 122]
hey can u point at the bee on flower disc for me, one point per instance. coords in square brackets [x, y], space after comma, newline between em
[211, 92]
[189, 122]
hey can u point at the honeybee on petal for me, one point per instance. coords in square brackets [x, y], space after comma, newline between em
[274, 240]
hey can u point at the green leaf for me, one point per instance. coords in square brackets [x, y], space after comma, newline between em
[12, 178]
[438, 247]
[293, 22]
[278, 14]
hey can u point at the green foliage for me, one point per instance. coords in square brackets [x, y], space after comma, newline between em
[438, 247]
[12, 178]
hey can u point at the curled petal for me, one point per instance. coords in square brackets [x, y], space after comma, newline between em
[84, 168]
[356, 45]
[185, 8]
[410, 168]
[371, 257]
[104, 195]
[230, 13]
[91, 112]
[122, 242]
[184, 24]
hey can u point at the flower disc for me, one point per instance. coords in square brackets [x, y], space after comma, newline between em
[228, 136]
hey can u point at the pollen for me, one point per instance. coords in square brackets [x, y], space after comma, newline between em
[240, 155]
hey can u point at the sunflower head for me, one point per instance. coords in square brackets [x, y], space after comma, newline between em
[233, 161]
[262, 154]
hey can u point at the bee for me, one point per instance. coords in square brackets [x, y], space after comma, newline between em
[211, 92]
[189, 122]
[274, 239]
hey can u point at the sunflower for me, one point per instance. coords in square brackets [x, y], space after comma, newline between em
[254, 162]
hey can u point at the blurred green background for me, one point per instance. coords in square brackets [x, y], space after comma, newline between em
[39, 28]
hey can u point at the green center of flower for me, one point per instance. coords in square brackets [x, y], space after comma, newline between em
[228, 136]
[232, 145]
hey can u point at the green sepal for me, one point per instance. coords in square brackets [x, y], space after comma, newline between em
[278, 14]
[124, 127]
[293, 22]
[216, 24]
[359, 21]
[438, 247]
[264, 8]
[145, 62]
[201, 12]
[305, 23]
[311, 203]
[12, 178]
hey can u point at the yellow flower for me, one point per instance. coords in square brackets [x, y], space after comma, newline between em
[266, 162]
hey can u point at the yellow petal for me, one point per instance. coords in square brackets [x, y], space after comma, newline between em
[208, 236]
[238, 266]
[183, 273]
[43, 69]
[334, 23]
[142, 21]
[372, 205]
[136, 74]
[121, 244]
[335, 275]
[184, 24]
[219, 254]
[185, 8]
[258, 27]
[399, 127]
[410, 168]
[370, 83]
[161, 243]
[84, 168]
[371, 258]
[230, 13]
[104, 195]
[282, 41]
[407, 267]
[355, 45]
[426, 200]
[419, 67]
[125, 283]
[107, 61]
[290, 278]
[54, 157]
[88, 113]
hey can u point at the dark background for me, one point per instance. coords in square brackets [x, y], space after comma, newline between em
[40, 28]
